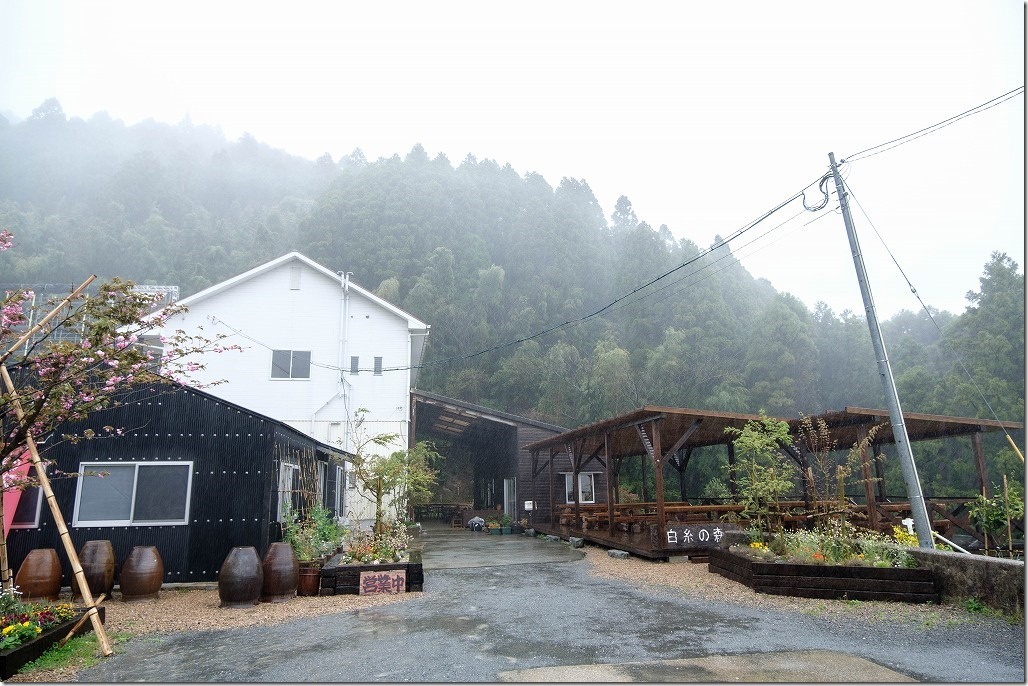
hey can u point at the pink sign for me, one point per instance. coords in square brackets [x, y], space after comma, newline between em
[386, 581]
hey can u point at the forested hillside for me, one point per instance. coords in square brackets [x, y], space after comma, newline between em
[494, 259]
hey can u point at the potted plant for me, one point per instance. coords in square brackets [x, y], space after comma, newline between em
[518, 527]
[492, 526]
[313, 537]
[505, 524]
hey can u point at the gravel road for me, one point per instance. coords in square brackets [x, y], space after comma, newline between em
[490, 623]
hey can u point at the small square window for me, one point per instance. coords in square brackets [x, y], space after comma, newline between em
[290, 364]
[378, 366]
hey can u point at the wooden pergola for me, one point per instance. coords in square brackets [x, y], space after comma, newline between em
[666, 436]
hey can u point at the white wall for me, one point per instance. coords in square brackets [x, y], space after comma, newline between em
[266, 313]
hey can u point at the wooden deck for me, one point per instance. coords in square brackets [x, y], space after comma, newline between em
[632, 526]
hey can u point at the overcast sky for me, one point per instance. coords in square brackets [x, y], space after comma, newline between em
[704, 114]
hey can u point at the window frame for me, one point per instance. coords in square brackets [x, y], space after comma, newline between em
[38, 508]
[296, 361]
[286, 488]
[83, 482]
[590, 476]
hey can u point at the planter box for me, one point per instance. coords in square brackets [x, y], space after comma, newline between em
[393, 577]
[826, 581]
[495, 531]
[13, 659]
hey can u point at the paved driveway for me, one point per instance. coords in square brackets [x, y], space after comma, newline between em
[512, 608]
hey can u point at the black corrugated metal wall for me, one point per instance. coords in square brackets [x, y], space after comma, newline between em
[233, 487]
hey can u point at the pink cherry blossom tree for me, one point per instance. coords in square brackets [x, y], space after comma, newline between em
[85, 358]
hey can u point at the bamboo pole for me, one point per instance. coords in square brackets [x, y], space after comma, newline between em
[42, 322]
[6, 580]
[55, 510]
[82, 620]
[1014, 446]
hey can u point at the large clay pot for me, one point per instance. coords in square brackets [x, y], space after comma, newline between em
[309, 582]
[142, 574]
[39, 575]
[281, 573]
[241, 578]
[98, 561]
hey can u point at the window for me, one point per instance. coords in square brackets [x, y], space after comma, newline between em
[586, 488]
[378, 366]
[340, 493]
[133, 493]
[26, 515]
[287, 475]
[291, 364]
[354, 364]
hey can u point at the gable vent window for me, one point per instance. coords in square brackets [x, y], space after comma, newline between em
[355, 362]
[378, 366]
[294, 277]
[291, 364]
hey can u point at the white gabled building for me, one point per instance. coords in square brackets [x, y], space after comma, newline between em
[315, 349]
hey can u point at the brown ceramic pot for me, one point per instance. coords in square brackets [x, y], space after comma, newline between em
[142, 575]
[98, 561]
[281, 573]
[39, 575]
[240, 578]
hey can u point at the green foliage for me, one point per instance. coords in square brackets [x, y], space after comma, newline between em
[385, 544]
[489, 255]
[313, 533]
[833, 544]
[762, 471]
[992, 514]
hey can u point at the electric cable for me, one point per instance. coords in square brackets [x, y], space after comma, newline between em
[953, 350]
[902, 140]
[571, 322]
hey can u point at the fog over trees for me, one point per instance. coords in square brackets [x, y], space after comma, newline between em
[492, 257]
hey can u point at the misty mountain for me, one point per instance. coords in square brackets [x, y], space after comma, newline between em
[492, 258]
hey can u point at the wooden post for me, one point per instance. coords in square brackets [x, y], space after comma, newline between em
[658, 479]
[608, 467]
[62, 527]
[869, 491]
[733, 486]
[1006, 510]
[979, 462]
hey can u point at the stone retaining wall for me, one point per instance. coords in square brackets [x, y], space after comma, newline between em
[994, 581]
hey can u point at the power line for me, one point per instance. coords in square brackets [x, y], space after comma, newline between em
[572, 322]
[903, 140]
[956, 354]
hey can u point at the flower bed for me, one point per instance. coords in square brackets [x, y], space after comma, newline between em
[840, 582]
[13, 659]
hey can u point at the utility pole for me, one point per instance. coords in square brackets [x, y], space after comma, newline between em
[919, 512]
